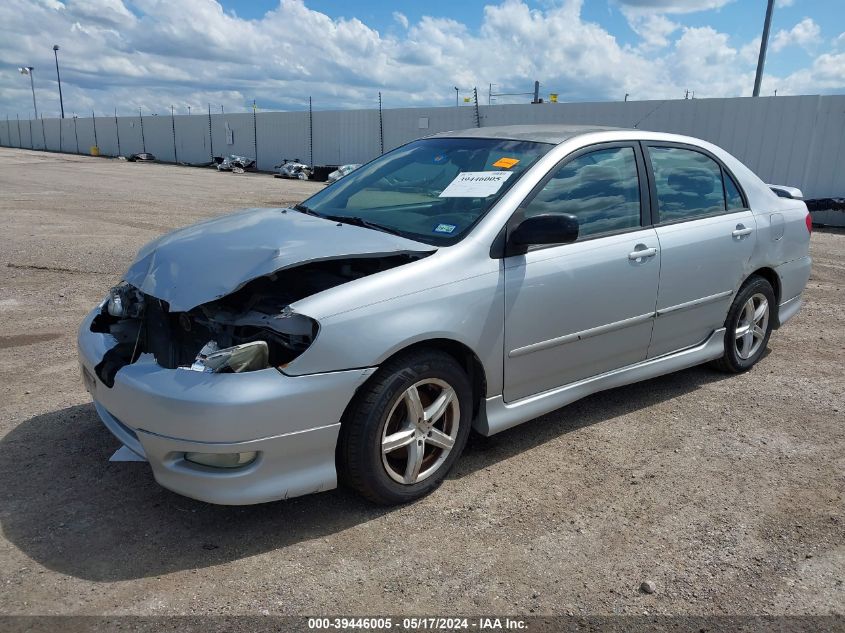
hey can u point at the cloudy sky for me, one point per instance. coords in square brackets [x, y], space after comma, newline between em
[152, 54]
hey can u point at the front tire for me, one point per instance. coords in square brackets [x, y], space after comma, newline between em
[748, 326]
[406, 428]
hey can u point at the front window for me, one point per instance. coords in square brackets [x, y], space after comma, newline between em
[601, 189]
[431, 190]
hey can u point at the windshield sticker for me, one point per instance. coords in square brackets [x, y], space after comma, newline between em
[476, 184]
[506, 163]
[445, 228]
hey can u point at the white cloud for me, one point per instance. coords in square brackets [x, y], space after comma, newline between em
[653, 28]
[672, 6]
[806, 34]
[709, 65]
[785, 3]
[192, 52]
[401, 18]
[826, 75]
[750, 51]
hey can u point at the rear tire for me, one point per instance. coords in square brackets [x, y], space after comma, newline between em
[405, 428]
[748, 326]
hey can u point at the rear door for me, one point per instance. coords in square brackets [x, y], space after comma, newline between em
[706, 234]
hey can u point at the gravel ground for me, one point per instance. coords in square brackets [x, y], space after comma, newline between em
[725, 492]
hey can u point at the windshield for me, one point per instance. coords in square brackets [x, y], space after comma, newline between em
[431, 190]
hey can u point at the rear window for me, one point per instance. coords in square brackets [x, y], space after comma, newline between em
[734, 197]
[688, 183]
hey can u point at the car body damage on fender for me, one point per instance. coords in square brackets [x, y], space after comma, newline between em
[258, 311]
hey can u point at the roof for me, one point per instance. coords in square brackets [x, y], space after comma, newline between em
[543, 133]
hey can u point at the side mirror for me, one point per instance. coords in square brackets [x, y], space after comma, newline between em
[548, 228]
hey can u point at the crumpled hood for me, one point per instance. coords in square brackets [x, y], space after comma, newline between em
[206, 261]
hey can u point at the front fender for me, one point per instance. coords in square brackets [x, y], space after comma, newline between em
[469, 311]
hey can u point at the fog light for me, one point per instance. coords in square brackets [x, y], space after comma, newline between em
[222, 460]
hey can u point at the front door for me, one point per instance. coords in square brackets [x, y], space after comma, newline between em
[576, 310]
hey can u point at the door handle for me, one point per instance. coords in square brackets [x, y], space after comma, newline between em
[642, 253]
[742, 231]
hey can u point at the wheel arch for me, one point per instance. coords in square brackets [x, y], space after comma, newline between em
[463, 354]
[465, 357]
[771, 276]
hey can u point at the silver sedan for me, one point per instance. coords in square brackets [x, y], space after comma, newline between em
[474, 279]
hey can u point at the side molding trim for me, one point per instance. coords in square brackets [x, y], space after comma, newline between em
[577, 336]
[695, 302]
[500, 415]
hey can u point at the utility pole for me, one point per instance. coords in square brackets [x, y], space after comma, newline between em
[27, 70]
[255, 132]
[764, 43]
[210, 138]
[380, 125]
[59, 78]
[117, 133]
[310, 133]
[173, 130]
[143, 140]
[536, 92]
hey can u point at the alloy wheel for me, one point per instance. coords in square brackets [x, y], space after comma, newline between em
[420, 431]
[752, 326]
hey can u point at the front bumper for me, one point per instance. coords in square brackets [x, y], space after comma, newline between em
[291, 422]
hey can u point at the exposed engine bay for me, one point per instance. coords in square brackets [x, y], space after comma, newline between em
[251, 328]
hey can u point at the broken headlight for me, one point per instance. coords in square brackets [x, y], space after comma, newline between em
[125, 301]
[239, 358]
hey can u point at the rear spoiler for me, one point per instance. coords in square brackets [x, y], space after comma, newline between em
[782, 191]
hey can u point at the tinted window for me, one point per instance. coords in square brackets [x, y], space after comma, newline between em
[689, 184]
[412, 190]
[600, 188]
[734, 197]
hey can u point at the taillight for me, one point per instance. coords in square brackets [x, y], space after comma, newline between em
[809, 223]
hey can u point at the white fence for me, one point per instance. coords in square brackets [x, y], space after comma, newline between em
[797, 141]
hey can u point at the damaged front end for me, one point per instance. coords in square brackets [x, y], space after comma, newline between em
[249, 329]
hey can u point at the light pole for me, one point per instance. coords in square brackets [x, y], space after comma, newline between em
[27, 70]
[457, 90]
[59, 79]
[764, 43]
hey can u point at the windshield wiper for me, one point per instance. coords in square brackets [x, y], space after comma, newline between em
[307, 210]
[354, 220]
[367, 224]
